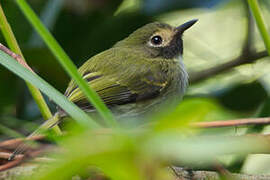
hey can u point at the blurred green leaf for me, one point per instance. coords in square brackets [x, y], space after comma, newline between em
[114, 154]
[193, 110]
[202, 150]
[121, 155]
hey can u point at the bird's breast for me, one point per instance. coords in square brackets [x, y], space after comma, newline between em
[179, 78]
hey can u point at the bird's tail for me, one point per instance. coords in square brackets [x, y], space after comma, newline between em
[45, 126]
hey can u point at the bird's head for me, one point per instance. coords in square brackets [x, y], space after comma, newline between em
[157, 39]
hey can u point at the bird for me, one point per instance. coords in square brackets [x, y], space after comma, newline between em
[135, 77]
[137, 73]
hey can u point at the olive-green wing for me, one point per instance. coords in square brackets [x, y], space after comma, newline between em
[119, 81]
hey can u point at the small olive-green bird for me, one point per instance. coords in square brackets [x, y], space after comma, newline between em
[136, 75]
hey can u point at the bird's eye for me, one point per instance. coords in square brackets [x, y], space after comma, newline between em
[156, 40]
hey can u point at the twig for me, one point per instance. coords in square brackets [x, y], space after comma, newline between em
[205, 74]
[13, 143]
[228, 123]
[11, 164]
[6, 155]
[15, 56]
[182, 174]
[223, 172]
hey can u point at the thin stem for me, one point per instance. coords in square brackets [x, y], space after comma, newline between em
[257, 13]
[228, 65]
[247, 45]
[230, 123]
[66, 62]
[13, 143]
[13, 45]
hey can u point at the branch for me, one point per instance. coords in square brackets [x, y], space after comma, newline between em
[228, 123]
[183, 174]
[247, 56]
[15, 56]
[205, 74]
[14, 143]
[248, 42]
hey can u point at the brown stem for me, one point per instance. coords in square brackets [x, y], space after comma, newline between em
[13, 143]
[15, 56]
[228, 123]
[222, 171]
[6, 155]
[11, 164]
[205, 74]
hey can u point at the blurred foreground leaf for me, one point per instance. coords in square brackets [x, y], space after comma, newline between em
[193, 110]
[122, 155]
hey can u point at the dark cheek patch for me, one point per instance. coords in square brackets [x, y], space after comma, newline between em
[174, 49]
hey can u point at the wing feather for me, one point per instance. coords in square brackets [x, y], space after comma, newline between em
[117, 83]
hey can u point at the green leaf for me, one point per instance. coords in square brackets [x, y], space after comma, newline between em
[47, 89]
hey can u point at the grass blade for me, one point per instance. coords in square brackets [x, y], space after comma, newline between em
[256, 11]
[74, 111]
[66, 62]
[13, 45]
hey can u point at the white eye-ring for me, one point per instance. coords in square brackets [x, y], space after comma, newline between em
[156, 40]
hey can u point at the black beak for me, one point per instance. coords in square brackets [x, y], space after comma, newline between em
[186, 25]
